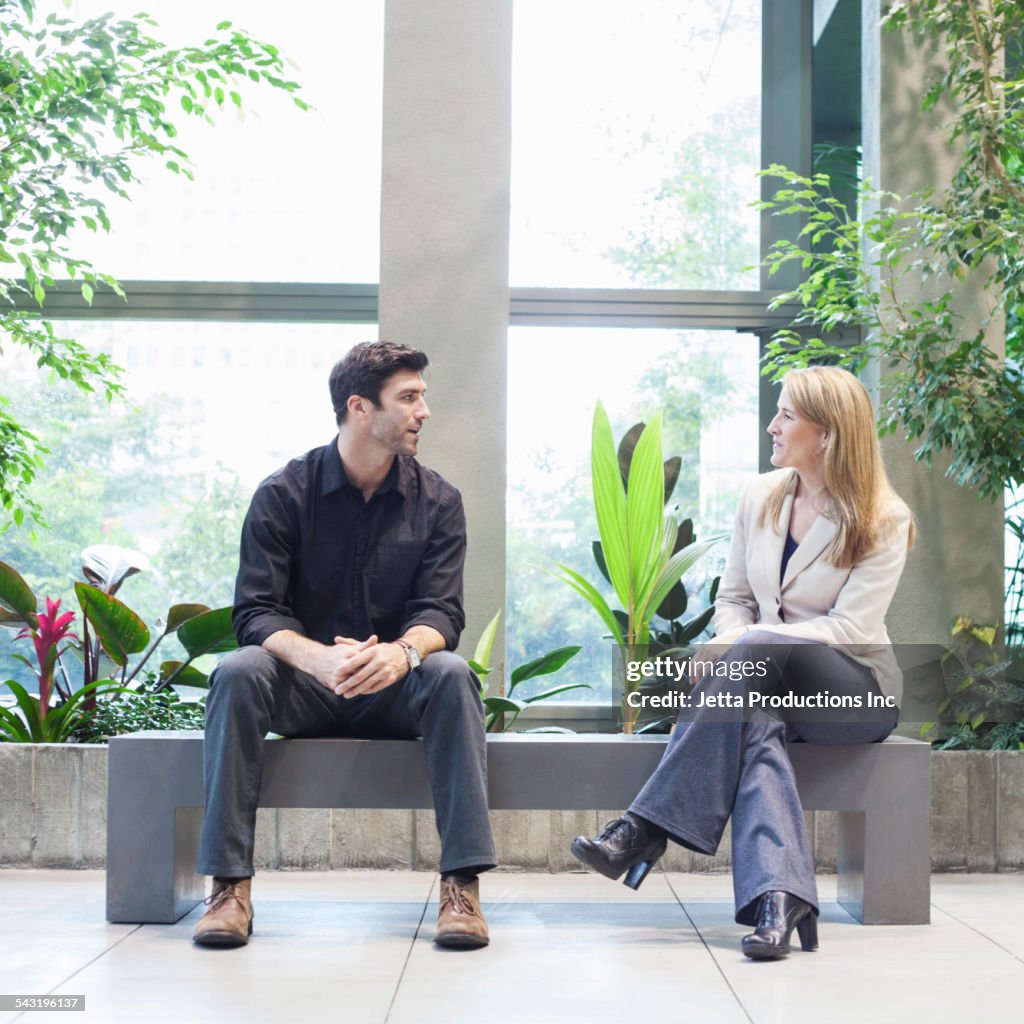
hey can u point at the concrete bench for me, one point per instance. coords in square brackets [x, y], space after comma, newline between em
[155, 804]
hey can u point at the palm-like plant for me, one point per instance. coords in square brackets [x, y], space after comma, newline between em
[638, 541]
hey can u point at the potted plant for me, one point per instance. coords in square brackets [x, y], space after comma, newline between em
[111, 634]
[639, 544]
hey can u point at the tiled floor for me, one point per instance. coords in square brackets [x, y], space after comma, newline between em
[355, 947]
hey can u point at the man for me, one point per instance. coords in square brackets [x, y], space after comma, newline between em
[347, 606]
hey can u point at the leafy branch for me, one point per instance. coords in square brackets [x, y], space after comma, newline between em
[82, 105]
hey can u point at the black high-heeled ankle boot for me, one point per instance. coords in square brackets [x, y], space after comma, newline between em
[628, 844]
[778, 913]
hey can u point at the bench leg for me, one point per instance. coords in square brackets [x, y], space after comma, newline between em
[884, 862]
[151, 844]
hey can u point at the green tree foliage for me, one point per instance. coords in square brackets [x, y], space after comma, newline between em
[82, 105]
[946, 388]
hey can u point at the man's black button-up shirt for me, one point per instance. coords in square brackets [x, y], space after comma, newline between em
[318, 559]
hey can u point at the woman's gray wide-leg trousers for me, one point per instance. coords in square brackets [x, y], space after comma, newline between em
[732, 760]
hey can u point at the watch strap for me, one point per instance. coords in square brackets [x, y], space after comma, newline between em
[412, 656]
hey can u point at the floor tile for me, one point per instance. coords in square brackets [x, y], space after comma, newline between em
[355, 946]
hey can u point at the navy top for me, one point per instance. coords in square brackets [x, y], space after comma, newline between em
[787, 554]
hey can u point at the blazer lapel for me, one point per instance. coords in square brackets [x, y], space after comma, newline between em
[819, 536]
[771, 543]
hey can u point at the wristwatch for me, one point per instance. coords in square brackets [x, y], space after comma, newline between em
[412, 656]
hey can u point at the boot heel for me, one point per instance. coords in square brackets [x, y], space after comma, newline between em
[807, 929]
[637, 873]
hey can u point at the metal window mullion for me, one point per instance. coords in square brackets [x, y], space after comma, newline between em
[267, 302]
[271, 302]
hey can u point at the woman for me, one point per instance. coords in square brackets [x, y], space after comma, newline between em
[817, 552]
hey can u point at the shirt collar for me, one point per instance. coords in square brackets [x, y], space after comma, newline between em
[334, 476]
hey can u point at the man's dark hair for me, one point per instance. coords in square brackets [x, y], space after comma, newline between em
[365, 369]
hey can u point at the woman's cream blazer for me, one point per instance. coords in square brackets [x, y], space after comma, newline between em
[815, 600]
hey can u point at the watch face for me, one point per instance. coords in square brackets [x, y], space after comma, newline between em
[414, 657]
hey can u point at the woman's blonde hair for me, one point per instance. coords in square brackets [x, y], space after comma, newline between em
[855, 478]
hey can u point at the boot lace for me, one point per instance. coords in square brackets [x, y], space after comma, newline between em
[457, 899]
[768, 916]
[219, 897]
[615, 826]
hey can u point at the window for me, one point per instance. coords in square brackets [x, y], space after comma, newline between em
[636, 141]
[279, 195]
[171, 471]
[703, 382]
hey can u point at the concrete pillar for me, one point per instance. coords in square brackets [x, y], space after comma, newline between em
[957, 563]
[444, 250]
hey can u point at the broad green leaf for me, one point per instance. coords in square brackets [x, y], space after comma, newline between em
[597, 602]
[500, 704]
[554, 691]
[182, 674]
[610, 503]
[11, 725]
[485, 645]
[626, 448]
[103, 669]
[545, 665]
[673, 467]
[63, 720]
[209, 633]
[179, 613]
[9, 619]
[697, 625]
[17, 597]
[965, 684]
[678, 564]
[29, 707]
[120, 631]
[644, 507]
[986, 634]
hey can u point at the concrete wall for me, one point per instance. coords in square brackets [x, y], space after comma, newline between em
[54, 815]
[444, 250]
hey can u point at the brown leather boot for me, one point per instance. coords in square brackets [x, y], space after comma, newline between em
[228, 922]
[460, 925]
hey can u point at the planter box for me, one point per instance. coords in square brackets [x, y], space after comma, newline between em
[54, 809]
[54, 814]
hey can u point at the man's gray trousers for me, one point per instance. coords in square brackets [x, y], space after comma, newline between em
[253, 693]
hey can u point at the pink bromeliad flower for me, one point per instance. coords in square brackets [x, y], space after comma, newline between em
[53, 628]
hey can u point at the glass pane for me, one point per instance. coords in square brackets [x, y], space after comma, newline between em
[279, 194]
[214, 408]
[705, 384]
[635, 141]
